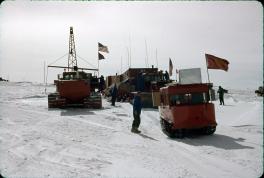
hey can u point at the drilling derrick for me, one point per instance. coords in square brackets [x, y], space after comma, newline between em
[72, 61]
[74, 87]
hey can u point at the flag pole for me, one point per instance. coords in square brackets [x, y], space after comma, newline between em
[208, 75]
[45, 82]
[98, 67]
[209, 91]
[128, 57]
[98, 58]
[176, 75]
[207, 69]
[147, 65]
[44, 71]
[121, 65]
[157, 58]
[47, 70]
[129, 50]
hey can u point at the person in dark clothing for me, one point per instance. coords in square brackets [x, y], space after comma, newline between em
[161, 75]
[101, 83]
[221, 92]
[140, 82]
[137, 106]
[166, 75]
[114, 95]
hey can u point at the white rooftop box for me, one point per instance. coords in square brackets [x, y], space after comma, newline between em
[189, 76]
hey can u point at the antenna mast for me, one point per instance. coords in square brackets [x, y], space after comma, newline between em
[146, 60]
[72, 60]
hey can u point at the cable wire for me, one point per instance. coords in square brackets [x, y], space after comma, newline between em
[86, 61]
[58, 59]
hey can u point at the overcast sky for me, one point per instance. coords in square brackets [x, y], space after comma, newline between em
[34, 32]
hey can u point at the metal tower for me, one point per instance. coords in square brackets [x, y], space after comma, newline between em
[72, 60]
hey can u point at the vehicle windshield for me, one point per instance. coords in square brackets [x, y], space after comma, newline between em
[74, 75]
[188, 99]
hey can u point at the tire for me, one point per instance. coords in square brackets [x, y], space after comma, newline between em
[62, 103]
[52, 100]
[166, 128]
[94, 102]
[179, 133]
[209, 130]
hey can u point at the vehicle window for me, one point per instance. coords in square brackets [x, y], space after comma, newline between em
[177, 100]
[197, 98]
[188, 98]
[67, 77]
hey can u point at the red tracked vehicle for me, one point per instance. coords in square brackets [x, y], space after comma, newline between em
[185, 108]
[75, 87]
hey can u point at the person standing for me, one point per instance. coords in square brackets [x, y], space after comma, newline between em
[140, 83]
[221, 92]
[166, 75]
[137, 106]
[101, 83]
[114, 95]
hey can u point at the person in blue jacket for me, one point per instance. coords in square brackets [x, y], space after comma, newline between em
[114, 95]
[137, 106]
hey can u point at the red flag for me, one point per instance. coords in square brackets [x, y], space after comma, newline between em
[214, 62]
[170, 67]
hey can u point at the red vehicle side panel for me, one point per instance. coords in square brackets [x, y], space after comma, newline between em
[191, 116]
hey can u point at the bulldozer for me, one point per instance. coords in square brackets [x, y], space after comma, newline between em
[74, 87]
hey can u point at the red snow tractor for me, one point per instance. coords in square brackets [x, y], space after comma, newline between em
[186, 107]
[75, 87]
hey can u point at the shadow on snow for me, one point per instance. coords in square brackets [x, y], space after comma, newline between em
[147, 137]
[216, 140]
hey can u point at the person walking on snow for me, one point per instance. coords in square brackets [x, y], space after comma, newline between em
[221, 92]
[114, 95]
[137, 106]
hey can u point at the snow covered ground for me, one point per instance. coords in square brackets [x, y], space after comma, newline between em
[38, 142]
